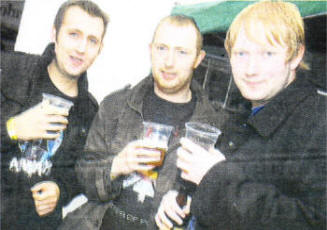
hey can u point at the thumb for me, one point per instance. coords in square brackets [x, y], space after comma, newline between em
[37, 187]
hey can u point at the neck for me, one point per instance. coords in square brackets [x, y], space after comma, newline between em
[179, 97]
[66, 84]
[257, 104]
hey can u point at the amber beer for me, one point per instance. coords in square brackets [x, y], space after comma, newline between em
[155, 137]
[157, 146]
[162, 156]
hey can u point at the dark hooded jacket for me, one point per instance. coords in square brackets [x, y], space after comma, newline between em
[24, 78]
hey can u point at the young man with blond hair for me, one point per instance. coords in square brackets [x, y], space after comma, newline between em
[274, 175]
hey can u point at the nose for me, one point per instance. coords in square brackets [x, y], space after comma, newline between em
[252, 65]
[81, 45]
[170, 59]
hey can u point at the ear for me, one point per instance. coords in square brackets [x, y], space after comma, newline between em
[101, 47]
[53, 34]
[199, 58]
[150, 49]
[294, 63]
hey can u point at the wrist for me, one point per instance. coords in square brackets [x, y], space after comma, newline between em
[11, 128]
[113, 172]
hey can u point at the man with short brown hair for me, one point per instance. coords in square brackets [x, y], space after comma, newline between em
[33, 196]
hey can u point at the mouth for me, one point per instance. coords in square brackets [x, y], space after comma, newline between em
[168, 75]
[76, 61]
[253, 83]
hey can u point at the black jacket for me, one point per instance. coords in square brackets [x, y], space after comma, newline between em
[275, 173]
[22, 76]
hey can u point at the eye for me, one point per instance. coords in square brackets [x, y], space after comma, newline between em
[73, 34]
[161, 48]
[94, 41]
[239, 53]
[269, 53]
[182, 52]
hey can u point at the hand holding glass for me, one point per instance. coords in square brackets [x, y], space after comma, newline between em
[156, 136]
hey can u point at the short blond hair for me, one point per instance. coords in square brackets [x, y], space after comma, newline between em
[282, 23]
[182, 20]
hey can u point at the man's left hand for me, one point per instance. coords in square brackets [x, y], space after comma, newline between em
[195, 161]
[46, 195]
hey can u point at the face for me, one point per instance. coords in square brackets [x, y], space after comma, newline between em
[260, 70]
[78, 42]
[174, 57]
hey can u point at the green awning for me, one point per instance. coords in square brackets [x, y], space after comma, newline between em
[217, 16]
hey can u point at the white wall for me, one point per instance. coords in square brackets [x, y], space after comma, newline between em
[125, 58]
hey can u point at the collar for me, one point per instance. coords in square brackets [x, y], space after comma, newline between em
[49, 54]
[281, 106]
[29, 69]
[135, 100]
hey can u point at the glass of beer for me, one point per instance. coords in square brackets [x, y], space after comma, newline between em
[156, 136]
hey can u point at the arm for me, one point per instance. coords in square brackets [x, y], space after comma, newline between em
[227, 198]
[93, 168]
[17, 78]
[103, 168]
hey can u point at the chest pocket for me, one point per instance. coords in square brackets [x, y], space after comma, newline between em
[128, 128]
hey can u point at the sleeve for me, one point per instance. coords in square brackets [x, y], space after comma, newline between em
[227, 199]
[14, 73]
[6, 142]
[93, 169]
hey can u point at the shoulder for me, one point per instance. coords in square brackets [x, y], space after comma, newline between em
[17, 73]
[16, 66]
[18, 60]
[115, 100]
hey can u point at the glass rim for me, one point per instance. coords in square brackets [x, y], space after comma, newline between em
[204, 128]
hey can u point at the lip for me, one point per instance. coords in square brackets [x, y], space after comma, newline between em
[253, 83]
[76, 61]
[168, 75]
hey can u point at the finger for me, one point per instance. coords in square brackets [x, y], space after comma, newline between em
[49, 135]
[55, 127]
[42, 192]
[51, 109]
[187, 207]
[161, 225]
[165, 222]
[184, 155]
[191, 146]
[174, 211]
[45, 211]
[58, 119]
[183, 165]
[185, 175]
[143, 167]
[36, 195]
[51, 200]
[148, 152]
[146, 160]
[44, 206]
[178, 210]
[37, 189]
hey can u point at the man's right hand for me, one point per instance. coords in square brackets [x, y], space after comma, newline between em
[134, 158]
[169, 211]
[35, 122]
